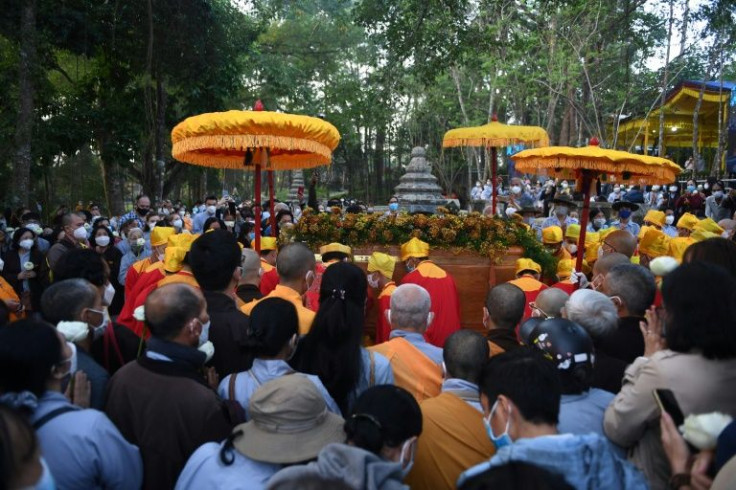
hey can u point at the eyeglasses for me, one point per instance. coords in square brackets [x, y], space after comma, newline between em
[611, 247]
[533, 306]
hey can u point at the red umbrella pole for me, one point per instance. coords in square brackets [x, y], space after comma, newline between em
[257, 209]
[272, 218]
[494, 184]
[587, 181]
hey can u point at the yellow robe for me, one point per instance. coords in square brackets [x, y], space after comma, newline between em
[306, 316]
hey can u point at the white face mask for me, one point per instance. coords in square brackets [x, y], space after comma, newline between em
[669, 219]
[572, 248]
[211, 210]
[2, 265]
[109, 294]
[516, 189]
[655, 188]
[372, 282]
[26, 244]
[407, 449]
[229, 224]
[80, 233]
[673, 188]
[99, 330]
[178, 223]
[102, 241]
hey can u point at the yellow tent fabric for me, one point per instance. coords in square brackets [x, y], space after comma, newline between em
[221, 139]
[496, 134]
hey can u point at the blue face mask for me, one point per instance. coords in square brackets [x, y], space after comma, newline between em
[691, 188]
[251, 236]
[624, 213]
[393, 206]
[502, 440]
[204, 336]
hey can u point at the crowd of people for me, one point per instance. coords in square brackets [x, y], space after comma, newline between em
[159, 349]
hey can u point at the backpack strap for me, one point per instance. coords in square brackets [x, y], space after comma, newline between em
[231, 387]
[52, 415]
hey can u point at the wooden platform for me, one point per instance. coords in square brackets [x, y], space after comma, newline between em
[474, 275]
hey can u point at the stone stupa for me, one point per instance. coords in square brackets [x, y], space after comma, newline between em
[297, 181]
[418, 191]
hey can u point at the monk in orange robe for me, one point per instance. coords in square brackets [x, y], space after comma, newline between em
[269, 252]
[11, 300]
[415, 362]
[453, 434]
[527, 279]
[380, 271]
[439, 284]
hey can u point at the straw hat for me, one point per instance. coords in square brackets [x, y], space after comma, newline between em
[289, 422]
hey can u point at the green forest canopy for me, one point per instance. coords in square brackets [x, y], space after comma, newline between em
[92, 89]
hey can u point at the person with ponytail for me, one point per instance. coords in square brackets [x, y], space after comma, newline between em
[381, 438]
[333, 347]
[272, 337]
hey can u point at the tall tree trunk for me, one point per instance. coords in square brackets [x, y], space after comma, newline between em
[471, 155]
[160, 132]
[722, 129]
[685, 24]
[27, 92]
[664, 80]
[378, 155]
[696, 112]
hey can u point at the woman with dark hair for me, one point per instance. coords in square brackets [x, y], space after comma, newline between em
[718, 251]
[333, 347]
[381, 434]
[213, 223]
[690, 350]
[103, 242]
[21, 464]
[83, 448]
[25, 269]
[272, 336]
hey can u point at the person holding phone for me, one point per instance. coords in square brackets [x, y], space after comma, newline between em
[690, 349]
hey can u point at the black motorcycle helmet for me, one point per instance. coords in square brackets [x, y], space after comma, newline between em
[569, 346]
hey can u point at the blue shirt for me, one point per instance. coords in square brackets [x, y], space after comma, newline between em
[198, 221]
[553, 221]
[583, 413]
[669, 230]
[417, 340]
[262, 371]
[382, 373]
[133, 215]
[84, 450]
[97, 377]
[129, 259]
[205, 470]
[585, 461]
[462, 388]
[631, 227]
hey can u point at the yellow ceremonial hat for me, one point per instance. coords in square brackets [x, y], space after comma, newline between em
[678, 245]
[643, 231]
[573, 231]
[708, 224]
[414, 248]
[382, 263]
[700, 234]
[160, 235]
[527, 265]
[564, 269]
[654, 243]
[267, 243]
[336, 248]
[552, 234]
[656, 217]
[687, 221]
[174, 259]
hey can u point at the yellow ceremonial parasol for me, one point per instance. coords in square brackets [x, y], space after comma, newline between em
[255, 140]
[589, 163]
[492, 135]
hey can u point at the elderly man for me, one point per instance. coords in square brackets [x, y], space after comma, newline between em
[549, 303]
[520, 394]
[439, 284]
[161, 402]
[295, 264]
[249, 285]
[416, 363]
[75, 236]
[75, 306]
[619, 241]
[215, 262]
[453, 437]
[632, 289]
[380, 272]
[596, 313]
[504, 308]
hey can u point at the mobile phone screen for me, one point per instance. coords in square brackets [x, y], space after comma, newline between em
[668, 403]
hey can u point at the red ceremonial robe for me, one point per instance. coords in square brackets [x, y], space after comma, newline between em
[445, 301]
[383, 328]
[269, 279]
[151, 275]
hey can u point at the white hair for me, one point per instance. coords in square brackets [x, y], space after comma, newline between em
[592, 310]
[410, 306]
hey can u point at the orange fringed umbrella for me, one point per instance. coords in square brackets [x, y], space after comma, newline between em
[255, 140]
[493, 135]
[589, 163]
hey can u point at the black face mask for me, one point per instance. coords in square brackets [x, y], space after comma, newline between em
[142, 211]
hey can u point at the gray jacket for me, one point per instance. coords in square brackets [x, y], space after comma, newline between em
[355, 467]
